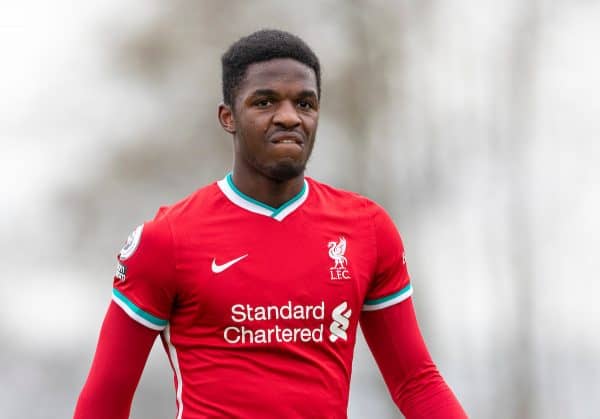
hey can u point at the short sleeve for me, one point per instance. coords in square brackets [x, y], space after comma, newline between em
[391, 282]
[144, 283]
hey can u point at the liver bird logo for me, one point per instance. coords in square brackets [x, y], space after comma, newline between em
[336, 252]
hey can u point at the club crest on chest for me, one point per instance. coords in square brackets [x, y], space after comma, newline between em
[339, 271]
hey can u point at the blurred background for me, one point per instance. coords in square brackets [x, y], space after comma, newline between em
[475, 123]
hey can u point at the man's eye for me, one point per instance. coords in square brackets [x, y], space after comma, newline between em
[263, 103]
[303, 104]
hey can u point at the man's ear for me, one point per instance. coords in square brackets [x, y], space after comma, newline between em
[226, 118]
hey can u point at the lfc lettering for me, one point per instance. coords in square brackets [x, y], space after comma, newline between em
[338, 274]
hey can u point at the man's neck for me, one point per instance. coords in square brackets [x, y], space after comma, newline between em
[268, 191]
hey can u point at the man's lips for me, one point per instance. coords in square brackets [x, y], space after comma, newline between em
[288, 137]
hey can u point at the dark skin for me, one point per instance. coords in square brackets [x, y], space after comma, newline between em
[273, 121]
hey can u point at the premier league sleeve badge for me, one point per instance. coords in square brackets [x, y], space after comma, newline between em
[132, 243]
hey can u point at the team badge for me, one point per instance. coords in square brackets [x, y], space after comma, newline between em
[132, 243]
[339, 270]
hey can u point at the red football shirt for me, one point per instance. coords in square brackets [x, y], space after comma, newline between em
[259, 306]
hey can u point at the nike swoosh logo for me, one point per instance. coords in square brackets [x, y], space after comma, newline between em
[220, 268]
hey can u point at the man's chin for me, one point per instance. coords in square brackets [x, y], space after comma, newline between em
[285, 171]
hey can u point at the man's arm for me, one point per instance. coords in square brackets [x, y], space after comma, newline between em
[121, 354]
[412, 378]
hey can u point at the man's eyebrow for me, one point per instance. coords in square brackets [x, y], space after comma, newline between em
[271, 92]
[264, 92]
[308, 93]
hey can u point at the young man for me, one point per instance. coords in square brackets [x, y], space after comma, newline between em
[257, 282]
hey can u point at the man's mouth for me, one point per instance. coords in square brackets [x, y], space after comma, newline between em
[287, 138]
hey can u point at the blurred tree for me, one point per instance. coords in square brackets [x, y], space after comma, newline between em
[512, 160]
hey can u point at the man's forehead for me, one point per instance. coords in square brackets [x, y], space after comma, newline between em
[279, 70]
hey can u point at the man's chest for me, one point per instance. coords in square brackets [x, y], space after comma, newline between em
[291, 282]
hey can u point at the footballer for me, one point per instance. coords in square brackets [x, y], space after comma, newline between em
[256, 283]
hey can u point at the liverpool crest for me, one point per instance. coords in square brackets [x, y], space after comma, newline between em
[339, 270]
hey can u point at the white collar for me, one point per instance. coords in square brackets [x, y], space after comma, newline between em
[250, 204]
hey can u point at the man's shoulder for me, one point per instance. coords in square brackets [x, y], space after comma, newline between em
[193, 203]
[342, 197]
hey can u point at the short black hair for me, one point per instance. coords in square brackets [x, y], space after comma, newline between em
[263, 45]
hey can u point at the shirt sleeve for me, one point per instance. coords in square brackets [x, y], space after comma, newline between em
[144, 283]
[121, 354]
[412, 378]
[391, 282]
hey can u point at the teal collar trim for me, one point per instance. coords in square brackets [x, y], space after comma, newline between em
[248, 203]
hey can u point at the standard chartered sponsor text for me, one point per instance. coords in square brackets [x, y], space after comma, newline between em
[277, 332]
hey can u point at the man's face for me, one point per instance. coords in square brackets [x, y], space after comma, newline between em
[275, 115]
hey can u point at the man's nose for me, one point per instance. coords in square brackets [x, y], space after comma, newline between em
[286, 115]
